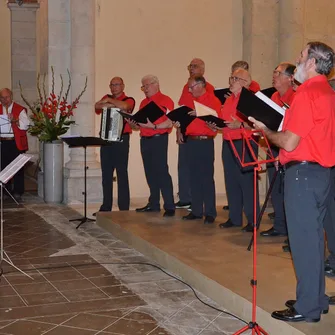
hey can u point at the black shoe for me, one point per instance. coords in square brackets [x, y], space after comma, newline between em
[286, 248]
[191, 216]
[271, 215]
[332, 300]
[227, 224]
[147, 208]
[272, 233]
[291, 315]
[209, 219]
[329, 271]
[100, 210]
[169, 213]
[249, 228]
[290, 303]
[184, 205]
[225, 208]
[287, 241]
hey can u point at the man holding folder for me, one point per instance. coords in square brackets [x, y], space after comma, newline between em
[307, 153]
[154, 149]
[200, 154]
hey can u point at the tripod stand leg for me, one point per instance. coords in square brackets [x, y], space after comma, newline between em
[9, 261]
[266, 200]
[244, 329]
[83, 220]
[261, 331]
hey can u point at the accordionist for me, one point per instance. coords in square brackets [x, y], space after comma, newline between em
[114, 155]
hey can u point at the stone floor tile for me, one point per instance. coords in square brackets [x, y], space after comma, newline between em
[77, 284]
[11, 301]
[26, 327]
[104, 281]
[131, 327]
[85, 295]
[62, 330]
[90, 321]
[43, 298]
[32, 288]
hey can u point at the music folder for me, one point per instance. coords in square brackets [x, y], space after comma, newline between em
[213, 119]
[254, 105]
[222, 94]
[269, 91]
[151, 111]
[181, 115]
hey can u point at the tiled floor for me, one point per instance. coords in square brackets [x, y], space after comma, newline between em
[71, 293]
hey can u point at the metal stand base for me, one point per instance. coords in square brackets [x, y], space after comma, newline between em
[5, 258]
[82, 220]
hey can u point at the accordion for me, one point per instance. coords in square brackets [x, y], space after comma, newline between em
[112, 125]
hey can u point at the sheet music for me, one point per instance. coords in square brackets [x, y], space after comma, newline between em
[5, 125]
[202, 110]
[11, 169]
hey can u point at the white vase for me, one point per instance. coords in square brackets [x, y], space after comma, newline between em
[53, 161]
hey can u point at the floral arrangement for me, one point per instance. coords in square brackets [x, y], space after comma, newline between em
[51, 114]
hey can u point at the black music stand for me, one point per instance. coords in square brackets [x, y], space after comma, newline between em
[81, 141]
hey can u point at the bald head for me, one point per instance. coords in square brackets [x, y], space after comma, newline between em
[6, 97]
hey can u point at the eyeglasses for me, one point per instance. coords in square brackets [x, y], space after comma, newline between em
[278, 73]
[115, 85]
[234, 79]
[190, 88]
[144, 87]
[192, 66]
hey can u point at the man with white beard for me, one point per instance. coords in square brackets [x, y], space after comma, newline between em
[307, 152]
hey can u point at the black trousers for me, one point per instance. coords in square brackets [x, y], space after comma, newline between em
[154, 152]
[9, 152]
[277, 196]
[114, 156]
[201, 166]
[329, 224]
[239, 184]
[184, 183]
[307, 195]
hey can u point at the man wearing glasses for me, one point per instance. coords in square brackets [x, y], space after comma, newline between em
[154, 149]
[114, 156]
[196, 68]
[282, 80]
[239, 181]
[200, 155]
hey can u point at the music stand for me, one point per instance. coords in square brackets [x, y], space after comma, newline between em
[5, 175]
[81, 141]
[248, 138]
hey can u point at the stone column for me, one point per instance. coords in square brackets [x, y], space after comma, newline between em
[24, 54]
[260, 38]
[82, 66]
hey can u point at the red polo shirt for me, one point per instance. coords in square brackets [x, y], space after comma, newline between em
[228, 111]
[312, 117]
[186, 97]
[164, 102]
[197, 126]
[254, 86]
[131, 102]
[287, 97]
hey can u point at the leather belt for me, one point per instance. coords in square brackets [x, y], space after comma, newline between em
[292, 163]
[156, 135]
[6, 138]
[200, 137]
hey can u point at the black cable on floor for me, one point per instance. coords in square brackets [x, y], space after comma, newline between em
[133, 263]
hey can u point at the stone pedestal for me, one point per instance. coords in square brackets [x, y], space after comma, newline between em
[24, 55]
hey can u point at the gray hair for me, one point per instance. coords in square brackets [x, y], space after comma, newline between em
[323, 55]
[151, 78]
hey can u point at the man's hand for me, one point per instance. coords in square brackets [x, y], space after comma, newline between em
[176, 124]
[212, 126]
[192, 113]
[257, 124]
[149, 124]
[235, 124]
[180, 137]
[133, 124]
